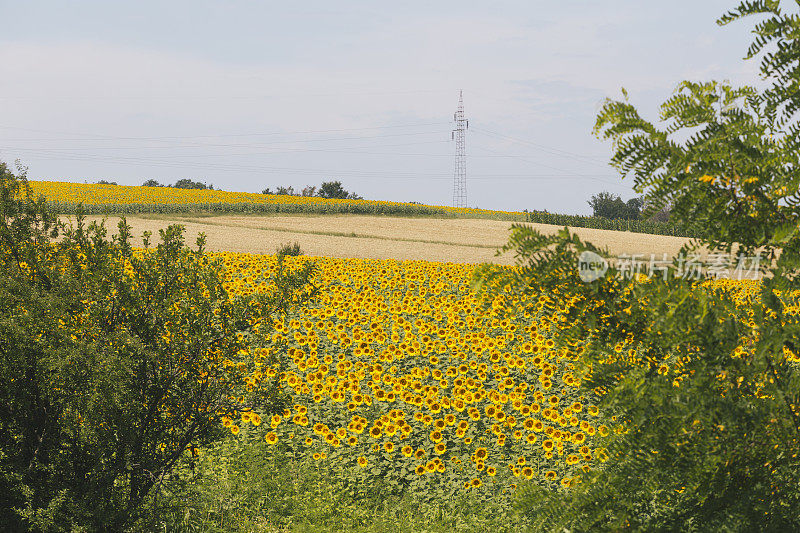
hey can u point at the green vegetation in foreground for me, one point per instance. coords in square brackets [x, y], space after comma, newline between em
[703, 385]
[703, 378]
[243, 484]
[114, 364]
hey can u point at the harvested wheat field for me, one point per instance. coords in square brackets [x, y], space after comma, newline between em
[376, 237]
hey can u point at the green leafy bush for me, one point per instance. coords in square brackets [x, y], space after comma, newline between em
[290, 249]
[115, 363]
[186, 183]
[702, 377]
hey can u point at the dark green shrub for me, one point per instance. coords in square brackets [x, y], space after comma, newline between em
[114, 364]
[291, 249]
[186, 183]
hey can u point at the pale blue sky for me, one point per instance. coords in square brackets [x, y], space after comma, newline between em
[248, 95]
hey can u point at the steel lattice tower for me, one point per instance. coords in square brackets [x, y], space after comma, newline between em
[460, 173]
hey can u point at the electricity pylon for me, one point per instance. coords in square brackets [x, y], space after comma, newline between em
[460, 173]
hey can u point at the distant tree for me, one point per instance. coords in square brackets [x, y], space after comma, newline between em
[328, 189]
[289, 191]
[186, 183]
[635, 206]
[104, 182]
[611, 206]
[605, 204]
[151, 183]
[334, 189]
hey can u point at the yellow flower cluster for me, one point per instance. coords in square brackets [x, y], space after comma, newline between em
[164, 197]
[398, 369]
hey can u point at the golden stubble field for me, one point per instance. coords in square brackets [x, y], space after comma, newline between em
[379, 237]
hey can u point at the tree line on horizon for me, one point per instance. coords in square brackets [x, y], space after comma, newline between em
[328, 189]
[613, 207]
[604, 204]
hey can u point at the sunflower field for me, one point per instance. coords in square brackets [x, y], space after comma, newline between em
[64, 197]
[398, 372]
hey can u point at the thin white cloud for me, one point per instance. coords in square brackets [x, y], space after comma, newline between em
[537, 77]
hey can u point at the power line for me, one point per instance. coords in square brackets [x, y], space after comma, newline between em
[174, 160]
[125, 160]
[101, 137]
[210, 97]
[246, 145]
[353, 150]
[595, 177]
[546, 149]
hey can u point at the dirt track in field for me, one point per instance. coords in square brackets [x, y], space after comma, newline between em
[453, 240]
